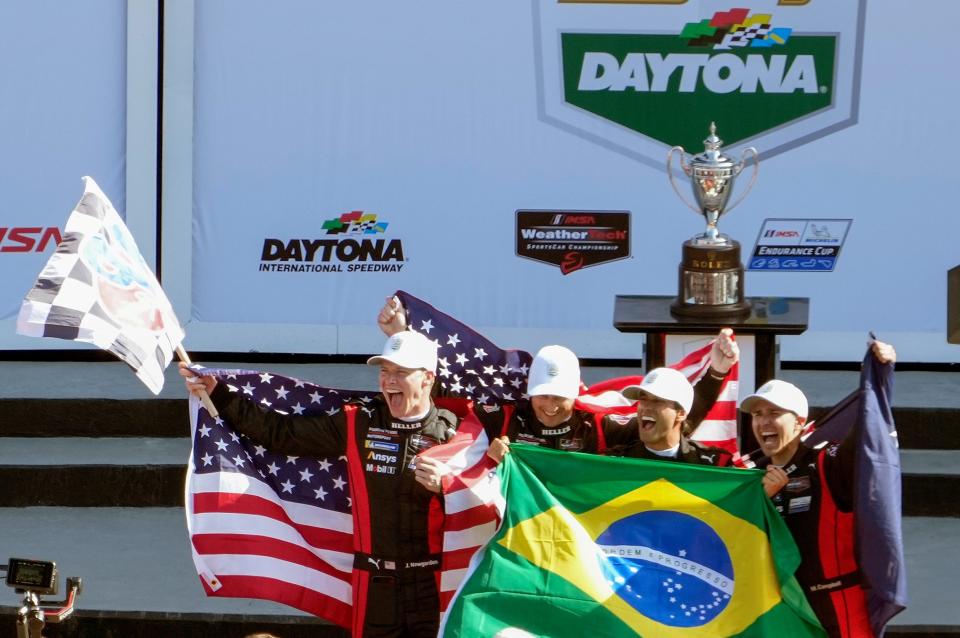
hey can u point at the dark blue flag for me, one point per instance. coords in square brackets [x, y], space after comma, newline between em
[877, 500]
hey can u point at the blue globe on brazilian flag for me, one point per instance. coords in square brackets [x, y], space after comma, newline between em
[599, 546]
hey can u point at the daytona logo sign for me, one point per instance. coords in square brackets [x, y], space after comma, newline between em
[640, 77]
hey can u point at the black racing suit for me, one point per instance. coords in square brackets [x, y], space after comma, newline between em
[397, 522]
[689, 452]
[519, 423]
[817, 505]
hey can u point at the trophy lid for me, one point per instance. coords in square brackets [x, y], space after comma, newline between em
[712, 155]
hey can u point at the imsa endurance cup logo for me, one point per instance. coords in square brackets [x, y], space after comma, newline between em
[799, 245]
[357, 245]
[641, 77]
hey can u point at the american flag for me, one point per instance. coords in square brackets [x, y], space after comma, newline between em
[472, 502]
[719, 426]
[271, 526]
[280, 527]
[469, 365]
[98, 289]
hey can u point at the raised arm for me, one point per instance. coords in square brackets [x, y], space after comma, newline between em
[317, 435]
[392, 318]
[723, 355]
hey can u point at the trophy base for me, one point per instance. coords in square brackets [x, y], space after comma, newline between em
[711, 282]
[723, 312]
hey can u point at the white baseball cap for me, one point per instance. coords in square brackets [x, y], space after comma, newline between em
[408, 349]
[555, 370]
[663, 383]
[781, 394]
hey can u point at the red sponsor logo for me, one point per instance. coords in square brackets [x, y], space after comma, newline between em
[607, 235]
[573, 220]
[781, 233]
[26, 239]
[571, 262]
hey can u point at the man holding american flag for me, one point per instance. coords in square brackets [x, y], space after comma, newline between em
[396, 507]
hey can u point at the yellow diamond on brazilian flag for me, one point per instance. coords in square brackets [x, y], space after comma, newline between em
[600, 546]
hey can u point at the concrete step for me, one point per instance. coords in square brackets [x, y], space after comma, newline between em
[150, 472]
[93, 472]
[94, 417]
[173, 625]
[108, 624]
[139, 579]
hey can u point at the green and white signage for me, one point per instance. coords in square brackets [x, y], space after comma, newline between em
[641, 77]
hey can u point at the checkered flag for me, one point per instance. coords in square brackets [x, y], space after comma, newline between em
[97, 288]
[355, 223]
[368, 225]
[743, 36]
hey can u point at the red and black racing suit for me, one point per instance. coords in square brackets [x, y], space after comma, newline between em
[397, 522]
[585, 430]
[817, 506]
[517, 421]
[689, 452]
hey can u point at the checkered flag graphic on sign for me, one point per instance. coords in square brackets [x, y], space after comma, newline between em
[743, 36]
[368, 225]
[96, 288]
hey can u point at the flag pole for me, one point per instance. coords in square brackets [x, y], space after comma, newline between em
[204, 397]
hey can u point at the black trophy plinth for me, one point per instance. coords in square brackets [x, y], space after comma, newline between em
[711, 282]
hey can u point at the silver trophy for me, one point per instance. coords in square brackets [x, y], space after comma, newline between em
[711, 275]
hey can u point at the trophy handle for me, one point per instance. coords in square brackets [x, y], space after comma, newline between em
[753, 178]
[686, 170]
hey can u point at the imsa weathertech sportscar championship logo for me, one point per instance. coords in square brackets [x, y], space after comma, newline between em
[573, 239]
[642, 76]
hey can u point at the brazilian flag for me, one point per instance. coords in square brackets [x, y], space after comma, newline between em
[597, 546]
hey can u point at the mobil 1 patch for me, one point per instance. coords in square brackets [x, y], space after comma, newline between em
[799, 245]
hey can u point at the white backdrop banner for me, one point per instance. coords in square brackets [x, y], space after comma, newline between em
[345, 150]
[62, 116]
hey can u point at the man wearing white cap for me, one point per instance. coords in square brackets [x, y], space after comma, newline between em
[665, 399]
[396, 512]
[550, 418]
[813, 491]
